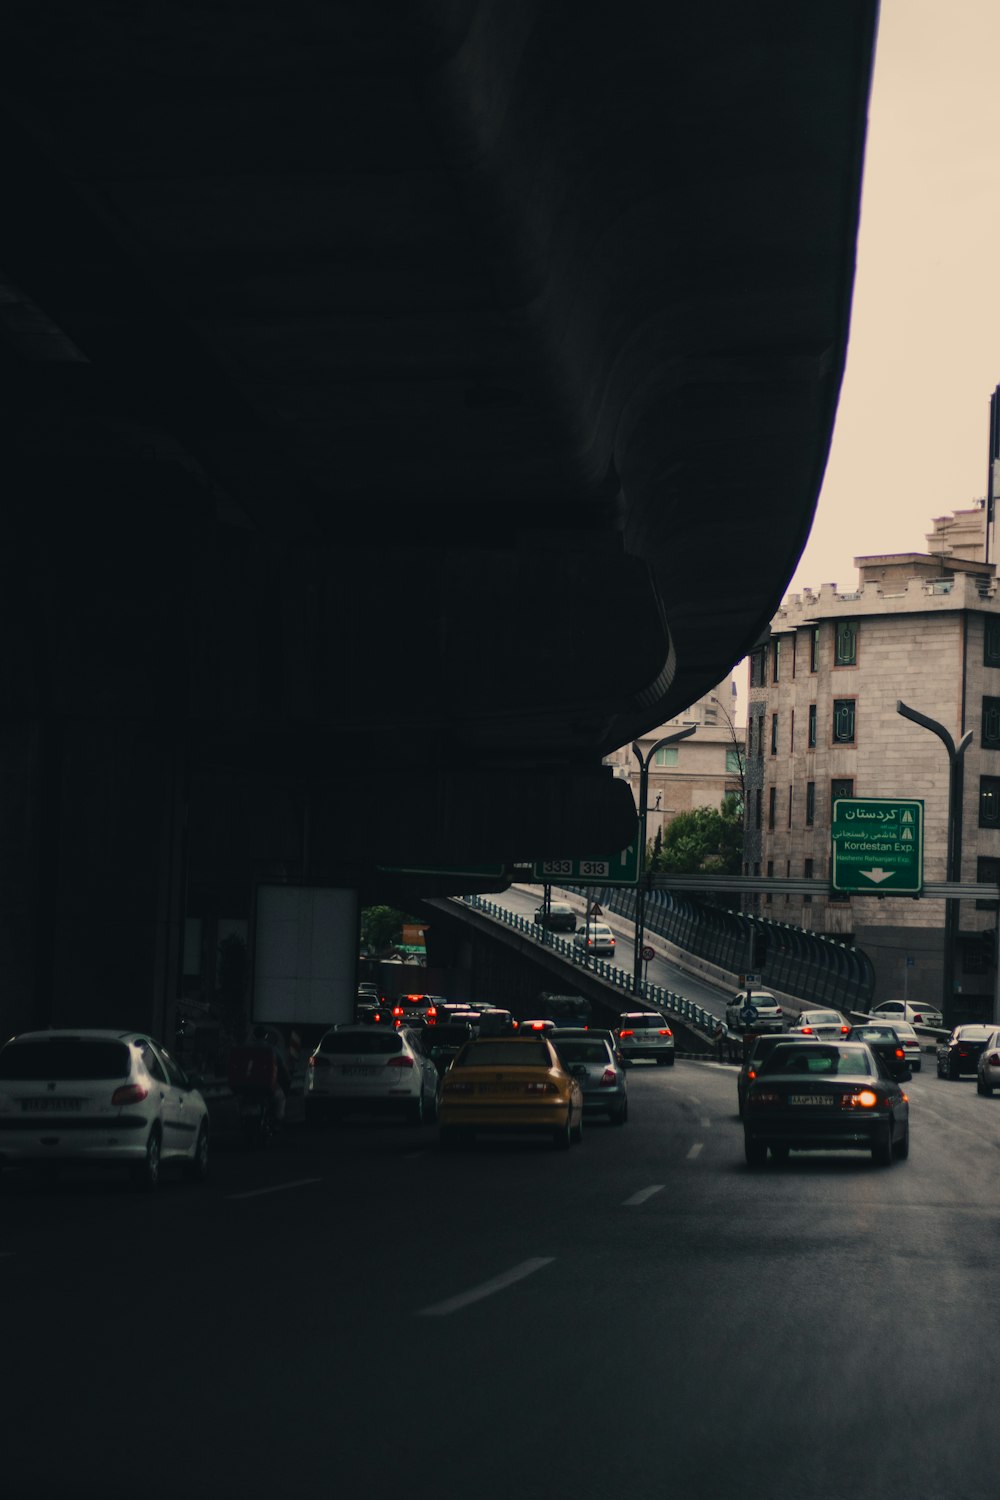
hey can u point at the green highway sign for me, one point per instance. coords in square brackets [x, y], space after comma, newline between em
[611, 869]
[878, 846]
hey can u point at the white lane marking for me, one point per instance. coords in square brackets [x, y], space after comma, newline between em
[642, 1195]
[280, 1187]
[706, 1122]
[693, 1098]
[695, 1150]
[477, 1293]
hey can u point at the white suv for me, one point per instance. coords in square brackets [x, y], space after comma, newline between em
[368, 1069]
[99, 1096]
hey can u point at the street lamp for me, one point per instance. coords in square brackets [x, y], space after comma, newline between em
[640, 895]
[956, 755]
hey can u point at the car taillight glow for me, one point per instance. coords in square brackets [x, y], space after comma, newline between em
[900, 1053]
[919, 1018]
[863, 1099]
[626, 1033]
[807, 1031]
[994, 1060]
[844, 1030]
[400, 1062]
[609, 1079]
[666, 1031]
[130, 1093]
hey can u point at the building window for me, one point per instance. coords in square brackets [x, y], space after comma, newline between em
[988, 870]
[788, 874]
[758, 659]
[772, 798]
[808, 872]
[795, 643]
[757, 808]
[791, 730]
[770, 876]
[734, 763]
[847, 644]
[991, 643]
[789, 807]
[989, 802]
[814, 649]
[760, 736]
[812, 726]
[774, 734]
[843, 721]
[666, 756]
[842, 787]
[776, 660]
[991, 723]
[810, 803]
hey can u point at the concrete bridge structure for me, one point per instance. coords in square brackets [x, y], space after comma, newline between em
[399, 399]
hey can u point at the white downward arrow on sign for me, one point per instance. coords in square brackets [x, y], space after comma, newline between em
[876, 875]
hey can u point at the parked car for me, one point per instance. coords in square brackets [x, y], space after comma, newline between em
[913, 1011]
[959, 1053]
[826, 1024]
[988, 1066]
[602, 1078]
[824, 1096]
[645, 1034]
[370, 1069]
[510, 1084]
[94, 1095]
[885, 1043]
[767, 1015]
[597, 938]
[756, 1047]
[560, 917]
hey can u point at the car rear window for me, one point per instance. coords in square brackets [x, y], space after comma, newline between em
[582, 1052]
[64, 1057]
[505, 1055]
[845, 1062]
[355, 1042]
[643, 1022]
[447, 1036]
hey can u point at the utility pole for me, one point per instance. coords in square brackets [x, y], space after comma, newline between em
[640, 893]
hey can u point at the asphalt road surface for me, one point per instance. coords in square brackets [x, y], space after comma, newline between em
[357, 1313]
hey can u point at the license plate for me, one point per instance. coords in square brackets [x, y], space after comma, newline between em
[498, 1088]
[357, 1070]
[810, 1099]
[44, 1105]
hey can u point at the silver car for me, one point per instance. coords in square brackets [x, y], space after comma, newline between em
[645, 1034]
[602, 1079]
[825, 1025]
[83, 1095]
[988, 1067]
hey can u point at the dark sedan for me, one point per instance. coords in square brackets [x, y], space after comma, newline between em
[960, 1053]
[887, 1044]
[825, 1096]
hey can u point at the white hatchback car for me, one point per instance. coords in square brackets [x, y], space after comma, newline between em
[370, 1069]
[99, 1096]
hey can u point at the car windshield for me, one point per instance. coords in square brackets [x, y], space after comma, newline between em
[845, 1062]
[64, 1057]
[504, 1055]
[583, 1052]
[354, 1042]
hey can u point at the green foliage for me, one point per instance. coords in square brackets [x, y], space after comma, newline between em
[704, 842]
[381, 927]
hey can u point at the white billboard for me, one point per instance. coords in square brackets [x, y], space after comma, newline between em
[305, 954]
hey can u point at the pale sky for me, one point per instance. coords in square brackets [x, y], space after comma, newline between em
[910, 440]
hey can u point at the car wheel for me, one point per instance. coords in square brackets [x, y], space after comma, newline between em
[987, 1088]
[882, 1148]
[955, 1074]
[147, 1174]
[755, 1151]
[902, 1148]
[576, 1134]
[915, 1066]
[562, 1138]
[779, 1153]
[197, 1168]
[619, 1116]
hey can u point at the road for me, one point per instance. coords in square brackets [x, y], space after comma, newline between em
[356, 1312]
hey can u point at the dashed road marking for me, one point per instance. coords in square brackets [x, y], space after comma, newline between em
[488, 1288]
[705, 1121]
[279, 1187]
[695, 1150]
[642, 1195]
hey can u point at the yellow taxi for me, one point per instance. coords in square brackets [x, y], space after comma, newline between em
[510, 1084]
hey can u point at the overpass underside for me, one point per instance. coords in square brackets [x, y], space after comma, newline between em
[406, 405]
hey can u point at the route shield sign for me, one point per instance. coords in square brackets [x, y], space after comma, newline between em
[878, 846]
[607, 869]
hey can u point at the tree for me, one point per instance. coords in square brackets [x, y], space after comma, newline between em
[381, 927]
[704, 841]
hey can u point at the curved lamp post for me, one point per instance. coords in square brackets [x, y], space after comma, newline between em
[956, 755]
[640, 895]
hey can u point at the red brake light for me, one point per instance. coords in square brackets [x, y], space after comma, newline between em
[900, 1052]
[863, 1099]
[751, 1074]
[844, 1030]
[431, 1011]
[994, 1060]
[130, 1093]
[918, 1018]
[807, 1031]
[610, 1078]
[626, 1033]
[400, 1062]
[666, 1031]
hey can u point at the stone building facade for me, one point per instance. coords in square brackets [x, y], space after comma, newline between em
[924, 629]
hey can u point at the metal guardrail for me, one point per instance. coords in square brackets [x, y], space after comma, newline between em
[616, 977]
